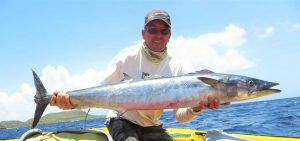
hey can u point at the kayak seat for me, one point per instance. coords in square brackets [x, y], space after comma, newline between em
[65, 135]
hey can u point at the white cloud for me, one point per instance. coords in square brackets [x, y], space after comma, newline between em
[296, 27]
[219, 52]
[20, 105]
[267, 32]
[59, 78]
[216, 51]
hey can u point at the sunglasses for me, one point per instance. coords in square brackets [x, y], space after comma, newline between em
[163, 31]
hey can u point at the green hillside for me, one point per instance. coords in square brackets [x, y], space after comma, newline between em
[73, 115]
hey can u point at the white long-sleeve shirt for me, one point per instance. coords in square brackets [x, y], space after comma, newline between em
[133, 62]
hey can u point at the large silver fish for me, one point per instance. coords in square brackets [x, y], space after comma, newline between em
[153, 93]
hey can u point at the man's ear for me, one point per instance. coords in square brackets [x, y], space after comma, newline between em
[143, 33]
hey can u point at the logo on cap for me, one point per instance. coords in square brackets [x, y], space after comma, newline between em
[158, 14]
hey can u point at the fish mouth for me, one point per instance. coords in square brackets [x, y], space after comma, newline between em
[274, 84]
[263, 93]
[267, 90]
[271, 91]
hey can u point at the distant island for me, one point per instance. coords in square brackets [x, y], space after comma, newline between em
[64, 116]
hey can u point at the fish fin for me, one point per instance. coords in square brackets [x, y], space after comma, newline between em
[39, 110]
[145, 75]
[41, 99]
[211, 81]
[204, 71]
[126, 77]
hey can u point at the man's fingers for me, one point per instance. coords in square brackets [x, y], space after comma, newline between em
[216, 103]
[63, 103]
[60, 99]
[226, 103]
[55, 93]
[53, 101]
[202, 105]
[67, 104]
[211, 103]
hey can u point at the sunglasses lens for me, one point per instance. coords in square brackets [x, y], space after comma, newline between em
[153, 30]
[163, 31]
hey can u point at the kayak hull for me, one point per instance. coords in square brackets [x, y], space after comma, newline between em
[178, 134]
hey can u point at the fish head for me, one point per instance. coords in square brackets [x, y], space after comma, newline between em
[243, 88]
[238, 88]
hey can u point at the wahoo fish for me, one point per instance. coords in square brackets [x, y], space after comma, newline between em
[160, 92]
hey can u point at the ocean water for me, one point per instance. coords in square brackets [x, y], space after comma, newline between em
[276, 117]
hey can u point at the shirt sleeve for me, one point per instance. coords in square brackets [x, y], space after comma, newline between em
[185, 114]
[113, 72]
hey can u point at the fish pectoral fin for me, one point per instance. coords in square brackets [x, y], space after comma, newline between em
[145, 75]
[212, 82]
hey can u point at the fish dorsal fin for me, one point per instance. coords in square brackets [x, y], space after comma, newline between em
[126, 77]
[204, 71]
[211, 81]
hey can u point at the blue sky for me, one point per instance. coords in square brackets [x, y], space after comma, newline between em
[71, 42]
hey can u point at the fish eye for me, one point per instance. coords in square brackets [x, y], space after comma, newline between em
[251, 83]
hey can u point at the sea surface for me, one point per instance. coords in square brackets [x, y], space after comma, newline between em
[275, 117]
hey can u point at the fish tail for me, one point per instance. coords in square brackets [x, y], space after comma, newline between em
[41, 99]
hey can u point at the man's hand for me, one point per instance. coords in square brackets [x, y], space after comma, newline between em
[62, 100]
[212, 103]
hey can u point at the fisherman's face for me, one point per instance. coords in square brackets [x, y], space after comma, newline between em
[156, 35]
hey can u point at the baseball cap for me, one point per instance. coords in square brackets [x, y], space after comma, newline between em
[158, 14]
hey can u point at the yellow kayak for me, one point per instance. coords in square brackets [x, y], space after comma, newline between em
[178, 134]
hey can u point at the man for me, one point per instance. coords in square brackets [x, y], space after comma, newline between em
[150, 57]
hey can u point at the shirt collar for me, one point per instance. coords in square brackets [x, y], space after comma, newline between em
[153, 56]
